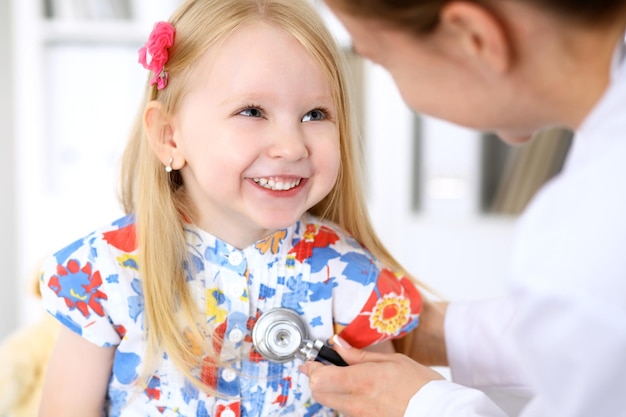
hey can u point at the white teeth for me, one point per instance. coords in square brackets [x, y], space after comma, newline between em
[275, 185]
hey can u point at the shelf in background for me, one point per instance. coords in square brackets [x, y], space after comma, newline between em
[110, 32]
[90, 9]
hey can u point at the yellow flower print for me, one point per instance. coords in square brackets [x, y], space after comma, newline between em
[309, 233]
[128, 261]
[212, 307]
[272, 242]
[390, 314]
[195, 347]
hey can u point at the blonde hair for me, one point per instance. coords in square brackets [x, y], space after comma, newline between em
[155, 197]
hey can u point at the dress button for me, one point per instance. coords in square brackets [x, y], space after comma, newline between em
[236, 290]
[235, 335]
[235, 258]
[228, 413]
[229, 375]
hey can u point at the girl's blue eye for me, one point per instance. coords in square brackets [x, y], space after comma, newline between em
[251, 112]
[314, 115]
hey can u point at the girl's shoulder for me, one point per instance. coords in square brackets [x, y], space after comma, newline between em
[92, 284]
[119, 234]
[115, 240]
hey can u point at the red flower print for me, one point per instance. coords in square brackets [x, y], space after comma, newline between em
[153, 390]
[123, 238]
[230, 409]
[314, 237]
[285, 387]
[392, 309]
[80, 287]
[390, 313]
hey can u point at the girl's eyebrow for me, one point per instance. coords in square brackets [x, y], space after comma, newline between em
[252, 97]
[237, 99]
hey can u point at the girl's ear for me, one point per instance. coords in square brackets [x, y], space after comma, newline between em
[479, 34]
[161, 135]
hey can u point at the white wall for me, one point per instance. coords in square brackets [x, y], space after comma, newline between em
[9, 282]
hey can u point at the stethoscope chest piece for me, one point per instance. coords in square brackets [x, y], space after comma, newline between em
[278, 334]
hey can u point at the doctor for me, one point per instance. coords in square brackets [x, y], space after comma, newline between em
[513, 67]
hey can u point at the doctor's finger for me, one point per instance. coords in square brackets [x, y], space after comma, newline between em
[351, 395]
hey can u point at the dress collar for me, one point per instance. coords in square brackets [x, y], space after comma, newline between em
[210, 248]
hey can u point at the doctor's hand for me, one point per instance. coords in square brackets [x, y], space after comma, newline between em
[374, 385]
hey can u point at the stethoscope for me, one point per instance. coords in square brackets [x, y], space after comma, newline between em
[280, 335]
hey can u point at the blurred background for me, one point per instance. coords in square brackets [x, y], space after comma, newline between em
[444, 199]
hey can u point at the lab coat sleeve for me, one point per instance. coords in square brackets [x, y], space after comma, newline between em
[573, 347]
[482, 357]
[567, 344]
[481, 365]
[447, 399]
[478, 336]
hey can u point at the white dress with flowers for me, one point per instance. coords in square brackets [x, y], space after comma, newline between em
[313, 268]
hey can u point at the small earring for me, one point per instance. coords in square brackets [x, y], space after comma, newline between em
[168, 167]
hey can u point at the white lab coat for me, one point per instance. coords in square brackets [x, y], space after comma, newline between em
[556, 345]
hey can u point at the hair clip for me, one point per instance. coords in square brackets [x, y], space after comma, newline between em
[154, 55]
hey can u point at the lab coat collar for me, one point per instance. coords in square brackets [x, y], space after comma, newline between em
[605, 123]
[618, 63]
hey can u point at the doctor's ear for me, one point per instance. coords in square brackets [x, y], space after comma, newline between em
[478, 33]
[161, 135]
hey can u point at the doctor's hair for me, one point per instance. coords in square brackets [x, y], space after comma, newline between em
[421, 17]
[158, 199]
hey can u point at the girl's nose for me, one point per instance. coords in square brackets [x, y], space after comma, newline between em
[288, 143]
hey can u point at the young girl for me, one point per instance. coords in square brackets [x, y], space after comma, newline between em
[241, 184]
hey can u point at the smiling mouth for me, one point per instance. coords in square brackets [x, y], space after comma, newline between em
[277, 185]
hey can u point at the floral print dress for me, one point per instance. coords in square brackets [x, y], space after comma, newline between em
[313, 268]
